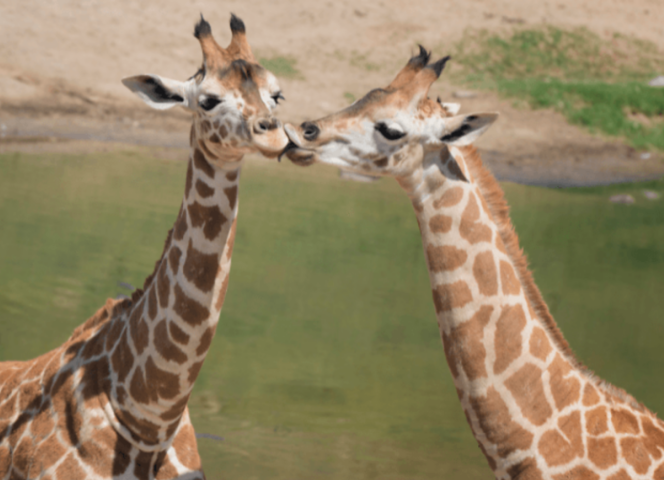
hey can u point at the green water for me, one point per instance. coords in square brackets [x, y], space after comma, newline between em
[327, 361]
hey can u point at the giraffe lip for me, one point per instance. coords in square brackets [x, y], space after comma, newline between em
[298, 155]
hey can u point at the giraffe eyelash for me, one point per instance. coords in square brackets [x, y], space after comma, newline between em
[278, 96]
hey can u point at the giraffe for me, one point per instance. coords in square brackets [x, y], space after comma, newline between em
[534, 410]
[111, 402]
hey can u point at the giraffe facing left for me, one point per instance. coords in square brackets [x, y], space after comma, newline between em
[111, 402]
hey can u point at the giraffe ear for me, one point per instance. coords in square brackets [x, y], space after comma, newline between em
[465, 129]
[160, 93]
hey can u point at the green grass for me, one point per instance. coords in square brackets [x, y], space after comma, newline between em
[327, 361]
[598, 83]
[282, 66]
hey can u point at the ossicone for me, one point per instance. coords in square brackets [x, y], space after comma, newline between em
[439, 65]
[237, 25]
[202, 29]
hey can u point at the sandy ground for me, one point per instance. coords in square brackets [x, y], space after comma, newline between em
[61, 62]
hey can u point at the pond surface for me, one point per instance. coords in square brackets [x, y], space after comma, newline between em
[327, 362]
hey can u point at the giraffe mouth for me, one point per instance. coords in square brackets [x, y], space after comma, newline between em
[295, 153]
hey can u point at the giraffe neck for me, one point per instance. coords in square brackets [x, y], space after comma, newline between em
[518, 383]
[170, 326]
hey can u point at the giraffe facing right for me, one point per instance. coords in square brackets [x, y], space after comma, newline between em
[534, 410]
[111, 402]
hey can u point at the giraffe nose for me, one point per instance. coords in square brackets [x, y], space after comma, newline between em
[266, 124]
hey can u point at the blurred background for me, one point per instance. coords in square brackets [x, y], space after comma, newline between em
[327, 362]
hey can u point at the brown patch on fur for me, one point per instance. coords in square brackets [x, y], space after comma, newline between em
[623, 475]
[97, 457]
[178, 334]
[231, 195]
[496, 423]
[176, 409]
[121, 457]
[525, 470]
[470, 229]
[140, 333]
[189, 309]
[185, 446]
[555, 448]
[166, 470]
[180, 227]
[223, 131]
[508, 279]
[597, 421]
[445, 258]
[137, 387]
[205, 341]
[192, 135]
[215, 138]
[602, 451]
[200, 268]
[590, 395]
[232, 176]
[23, 454]
[174, 261]
[142, 465]
[565, 391]
[623, 421]
[70, 469]
[464, 345]
[42, 424]
[203, 189]
[528, 390]
[636, 454]
[654, 438]
[122, 359]
[657, 475]
[166, 384]
[193, 371]
[440, 224]
[449, 198]
[163, 285]
[539, 344]
[485, 273]
[570, 425]
[152, 302]
[206, 126]
[189, 180]
[507, 340]
[165, 346]
[577, 473]
[202, 164]
[49, 452]
[209, 218]
[451, 295]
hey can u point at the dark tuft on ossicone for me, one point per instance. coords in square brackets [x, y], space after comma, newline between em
[202, 28]
[421, 59]
[439, 65]
[237, 25]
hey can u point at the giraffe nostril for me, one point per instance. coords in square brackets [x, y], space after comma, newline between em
[265, 125]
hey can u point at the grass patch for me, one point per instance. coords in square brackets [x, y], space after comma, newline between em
[282, 66]
[598, 83]
[349, 97]
[327, 362]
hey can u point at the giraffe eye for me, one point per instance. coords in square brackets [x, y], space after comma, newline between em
[208, 103]
[390, 133]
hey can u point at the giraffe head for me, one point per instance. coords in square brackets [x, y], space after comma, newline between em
[390, 130]
[231, 96]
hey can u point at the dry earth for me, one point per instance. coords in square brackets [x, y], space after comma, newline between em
[61, 62]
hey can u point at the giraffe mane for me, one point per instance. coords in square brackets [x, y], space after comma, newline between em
[495, 199]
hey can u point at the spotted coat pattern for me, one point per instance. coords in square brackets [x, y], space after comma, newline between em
[535, 412]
